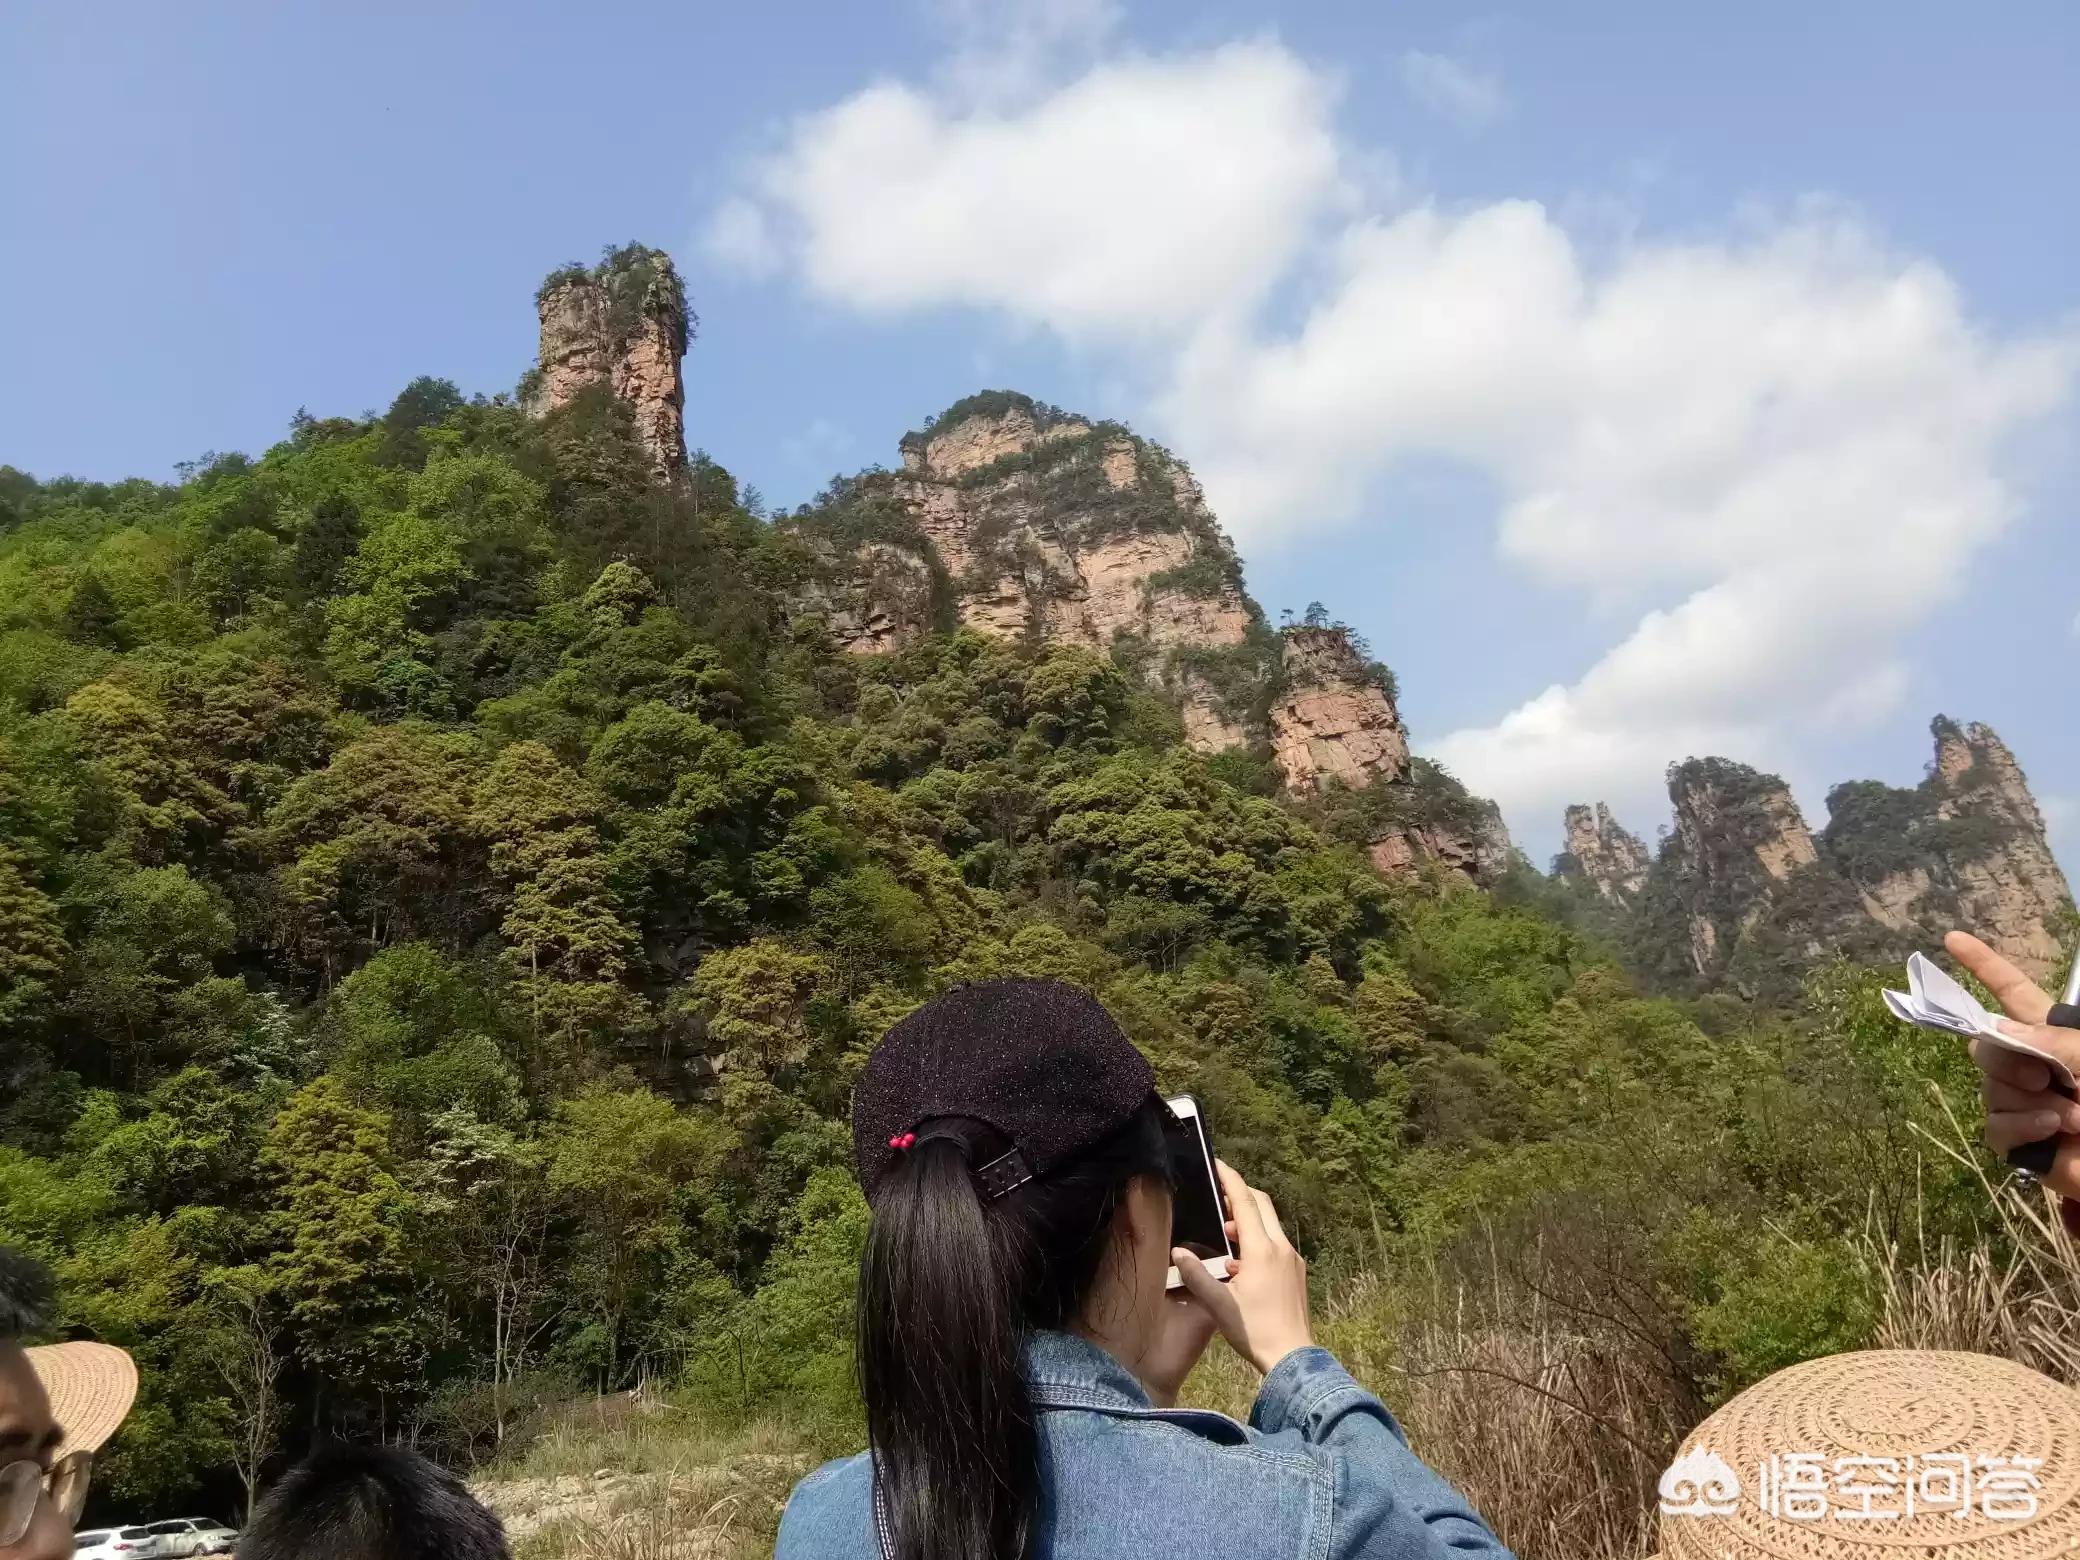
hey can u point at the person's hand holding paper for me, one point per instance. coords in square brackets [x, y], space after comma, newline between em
[2020, 1061]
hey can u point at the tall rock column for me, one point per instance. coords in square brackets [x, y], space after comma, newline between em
[1334, 720]
[2010, 889]
[1335, 724]
[1739, 837]
[1608, 859]
[623, 323]
[1023, 521]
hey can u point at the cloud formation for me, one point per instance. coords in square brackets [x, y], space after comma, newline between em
[1770, 453]
[1470, 98]
[1780, 454]
[1141, 198]
[1002, 52]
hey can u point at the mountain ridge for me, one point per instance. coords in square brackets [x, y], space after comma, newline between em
[1013, 518]
[1020, 520]
[1743, 891]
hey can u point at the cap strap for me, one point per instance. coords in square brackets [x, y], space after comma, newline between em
[1004, 1174]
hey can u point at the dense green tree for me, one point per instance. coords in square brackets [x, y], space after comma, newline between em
[757, 1002]
[377, 846]
[343, 1244]
[164, 803]
[619, 1160]
[32, 945]
[448, 889]
[91, 614]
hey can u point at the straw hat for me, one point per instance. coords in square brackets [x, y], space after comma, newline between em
[91, 1387]
[1763, 1477]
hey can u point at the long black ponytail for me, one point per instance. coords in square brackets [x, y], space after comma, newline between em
[950, 1286]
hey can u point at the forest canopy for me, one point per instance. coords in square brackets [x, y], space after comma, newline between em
[446, 896]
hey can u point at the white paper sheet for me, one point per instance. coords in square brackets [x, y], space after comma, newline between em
[1934, 1001]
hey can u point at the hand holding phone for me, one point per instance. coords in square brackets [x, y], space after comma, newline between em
[1198, 1211]
[1262, 1311]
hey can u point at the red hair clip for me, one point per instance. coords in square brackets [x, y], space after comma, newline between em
[902, 1140]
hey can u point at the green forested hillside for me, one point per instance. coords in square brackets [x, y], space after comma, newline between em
[445, 897]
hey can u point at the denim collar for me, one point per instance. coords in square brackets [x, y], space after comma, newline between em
[1071, 1372]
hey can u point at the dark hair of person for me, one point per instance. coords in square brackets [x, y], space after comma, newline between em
[951, 1284]
[27, 1295]
[349, 1502]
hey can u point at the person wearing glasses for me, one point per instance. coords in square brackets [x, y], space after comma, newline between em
[59, 1404]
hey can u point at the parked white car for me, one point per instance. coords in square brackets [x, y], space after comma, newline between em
[130, 1543]
[185, 1536]
[171, 1540]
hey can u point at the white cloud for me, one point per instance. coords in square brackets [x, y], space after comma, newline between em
[1770, 453]
[739, 237]
[1468, 97]
[1143, 196]
[1780, 453]
[1003, 52]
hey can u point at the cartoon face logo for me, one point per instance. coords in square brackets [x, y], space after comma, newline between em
[1699, 1484]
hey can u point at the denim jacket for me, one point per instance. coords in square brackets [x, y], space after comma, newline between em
[1321, 1472]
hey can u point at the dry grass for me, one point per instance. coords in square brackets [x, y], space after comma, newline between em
[1555, 1430]
[604, 1482]
[1542, 1377]
[1550, 1387]
[2023, 1306]
[1554, 1433]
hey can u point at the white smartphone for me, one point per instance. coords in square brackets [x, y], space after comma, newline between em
[1198, 1211]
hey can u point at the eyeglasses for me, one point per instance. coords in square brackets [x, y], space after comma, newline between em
[22, 1485]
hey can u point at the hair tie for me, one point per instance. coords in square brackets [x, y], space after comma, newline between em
[902, 1140]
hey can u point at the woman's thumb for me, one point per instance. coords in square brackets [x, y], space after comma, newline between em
[1204, 1287]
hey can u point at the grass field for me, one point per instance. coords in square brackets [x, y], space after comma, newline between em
[1554, 1411]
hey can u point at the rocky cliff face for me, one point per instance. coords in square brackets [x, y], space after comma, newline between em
[1019, 520]
[1334, 719]
[1743, 866]
[1966, 848]
[1336, 729]
[1743, 894]
[1737, 825]
[623, 324]
[1602, 856]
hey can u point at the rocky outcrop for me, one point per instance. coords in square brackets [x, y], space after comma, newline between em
[1334, 719]
[887, 602]
[2012, 891]
[1605, 858]
[1736, 822]
[1740, 880]
[1738, 834]
[623, 324]
[1041, 526]
[1335, 728]
[1743, 894]
[1016, 519]
[1475, 848]
[1966, 847]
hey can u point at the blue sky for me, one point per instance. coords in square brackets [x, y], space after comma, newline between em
[1641, 380]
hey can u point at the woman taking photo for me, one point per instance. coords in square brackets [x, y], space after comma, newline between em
[1020, 1356]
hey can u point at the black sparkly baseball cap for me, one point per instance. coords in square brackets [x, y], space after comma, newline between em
[1040, 1062]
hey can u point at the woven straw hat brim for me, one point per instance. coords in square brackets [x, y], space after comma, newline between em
[1890, 1404]
[91, 1387]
